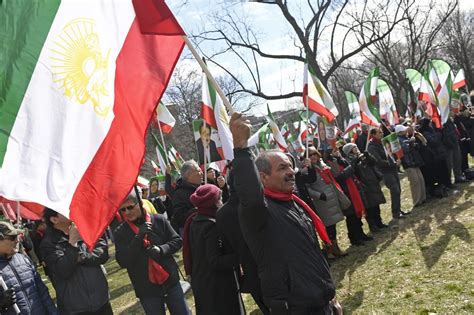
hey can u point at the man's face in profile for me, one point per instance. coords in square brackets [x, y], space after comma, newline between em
[205, 135]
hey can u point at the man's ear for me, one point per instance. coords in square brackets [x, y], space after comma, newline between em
[53, 220]
[263, 178]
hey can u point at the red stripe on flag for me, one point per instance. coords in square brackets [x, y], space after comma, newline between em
[154, 17]
[320, 109]
[459, 84]
[144, 67]
[165, 128]
[207, 114]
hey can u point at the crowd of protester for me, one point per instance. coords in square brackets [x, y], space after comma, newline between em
[267, 228]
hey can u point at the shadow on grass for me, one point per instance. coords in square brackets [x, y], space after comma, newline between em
[134, 309]
[439, 210]
[118, 292]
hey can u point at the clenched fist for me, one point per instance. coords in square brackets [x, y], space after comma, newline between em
[240, 128]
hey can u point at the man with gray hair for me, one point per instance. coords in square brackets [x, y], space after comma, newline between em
[145, 246]
[281, 231]
[191, 178]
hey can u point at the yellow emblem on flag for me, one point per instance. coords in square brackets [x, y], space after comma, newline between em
[80, 67]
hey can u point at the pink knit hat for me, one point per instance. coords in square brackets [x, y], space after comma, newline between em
[206, 196]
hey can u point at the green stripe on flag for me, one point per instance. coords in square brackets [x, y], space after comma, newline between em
[212, 93]
[24, 26]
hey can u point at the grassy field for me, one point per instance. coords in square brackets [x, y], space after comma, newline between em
[422, 265]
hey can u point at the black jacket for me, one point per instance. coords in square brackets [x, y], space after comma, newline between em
[383, 164]
[80, 286]
[411, 153]
[282, 240]
[182, 206]
[228, 227]
[131, 254]
[212, 276]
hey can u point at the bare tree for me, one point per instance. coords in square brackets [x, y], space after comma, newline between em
[333, 27]
[415, 42]
[458, 42]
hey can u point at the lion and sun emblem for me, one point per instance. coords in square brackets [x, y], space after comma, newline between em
[80, 67]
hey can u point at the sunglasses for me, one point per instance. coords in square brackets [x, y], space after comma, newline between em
[129, 208]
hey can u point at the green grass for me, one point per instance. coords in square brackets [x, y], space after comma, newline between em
[422, 265]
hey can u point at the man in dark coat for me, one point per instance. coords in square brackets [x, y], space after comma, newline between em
[191, 178]
[142, 240]
[389, 168]
[25, 287]
[228, 227]
[279, 229]
[75, 272]
[364, 165]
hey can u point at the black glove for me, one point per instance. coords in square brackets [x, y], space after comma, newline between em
[145, 228]
[154, 252]
[7, 299]
[323, 197]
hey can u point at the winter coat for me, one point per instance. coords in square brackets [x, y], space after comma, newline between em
[450, 135]
[182, 206]
[369, 177]
[76, 273]
[32, 296]
[328, 210]
[283, 242]
[411, 154]
[228, 227]
[212, 277]
[383, 163]
[131, 254]
[435, 143]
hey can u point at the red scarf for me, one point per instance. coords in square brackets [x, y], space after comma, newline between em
[156, 273]
[327, 176]
[354, 195]
[317, 223]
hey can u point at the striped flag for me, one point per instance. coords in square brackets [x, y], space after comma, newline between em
[367, 96]
[444, 99]
[164, 118]
[459, 80]
[155, 167]
[316, 97]
[214, 113]
[354, 111]
[441, 72]
[428, 95]
[277, 136]
[414, 76]
[386, 103]
[81, 85]
[258, 135]
[160, 155]
[285, 131]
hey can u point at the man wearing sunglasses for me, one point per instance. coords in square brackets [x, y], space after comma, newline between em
[24, 285]
[145, 246]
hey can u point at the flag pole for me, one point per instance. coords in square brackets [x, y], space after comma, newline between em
[18, 217]
[163, 141]
[208, 74]
[307, 125]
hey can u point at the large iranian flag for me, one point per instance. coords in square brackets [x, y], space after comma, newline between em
[443, 70]
[368, 111]
[460, 80]
[414, 76]
[428, 95]
[81, 84]
[316, 97]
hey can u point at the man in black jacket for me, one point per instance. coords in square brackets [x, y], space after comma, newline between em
[141, 240]
[294, 274]
[389, 168]
[191, 178]
[227, 220]
[76, 273]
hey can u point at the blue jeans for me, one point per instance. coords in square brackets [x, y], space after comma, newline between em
[174, 300]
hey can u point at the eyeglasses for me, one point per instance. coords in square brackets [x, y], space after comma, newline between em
[10, 237]
[129, 208]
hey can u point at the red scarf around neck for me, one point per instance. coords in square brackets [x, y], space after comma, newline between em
[156, 273]
[327, 176]
[354, 195]
[317, 223]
